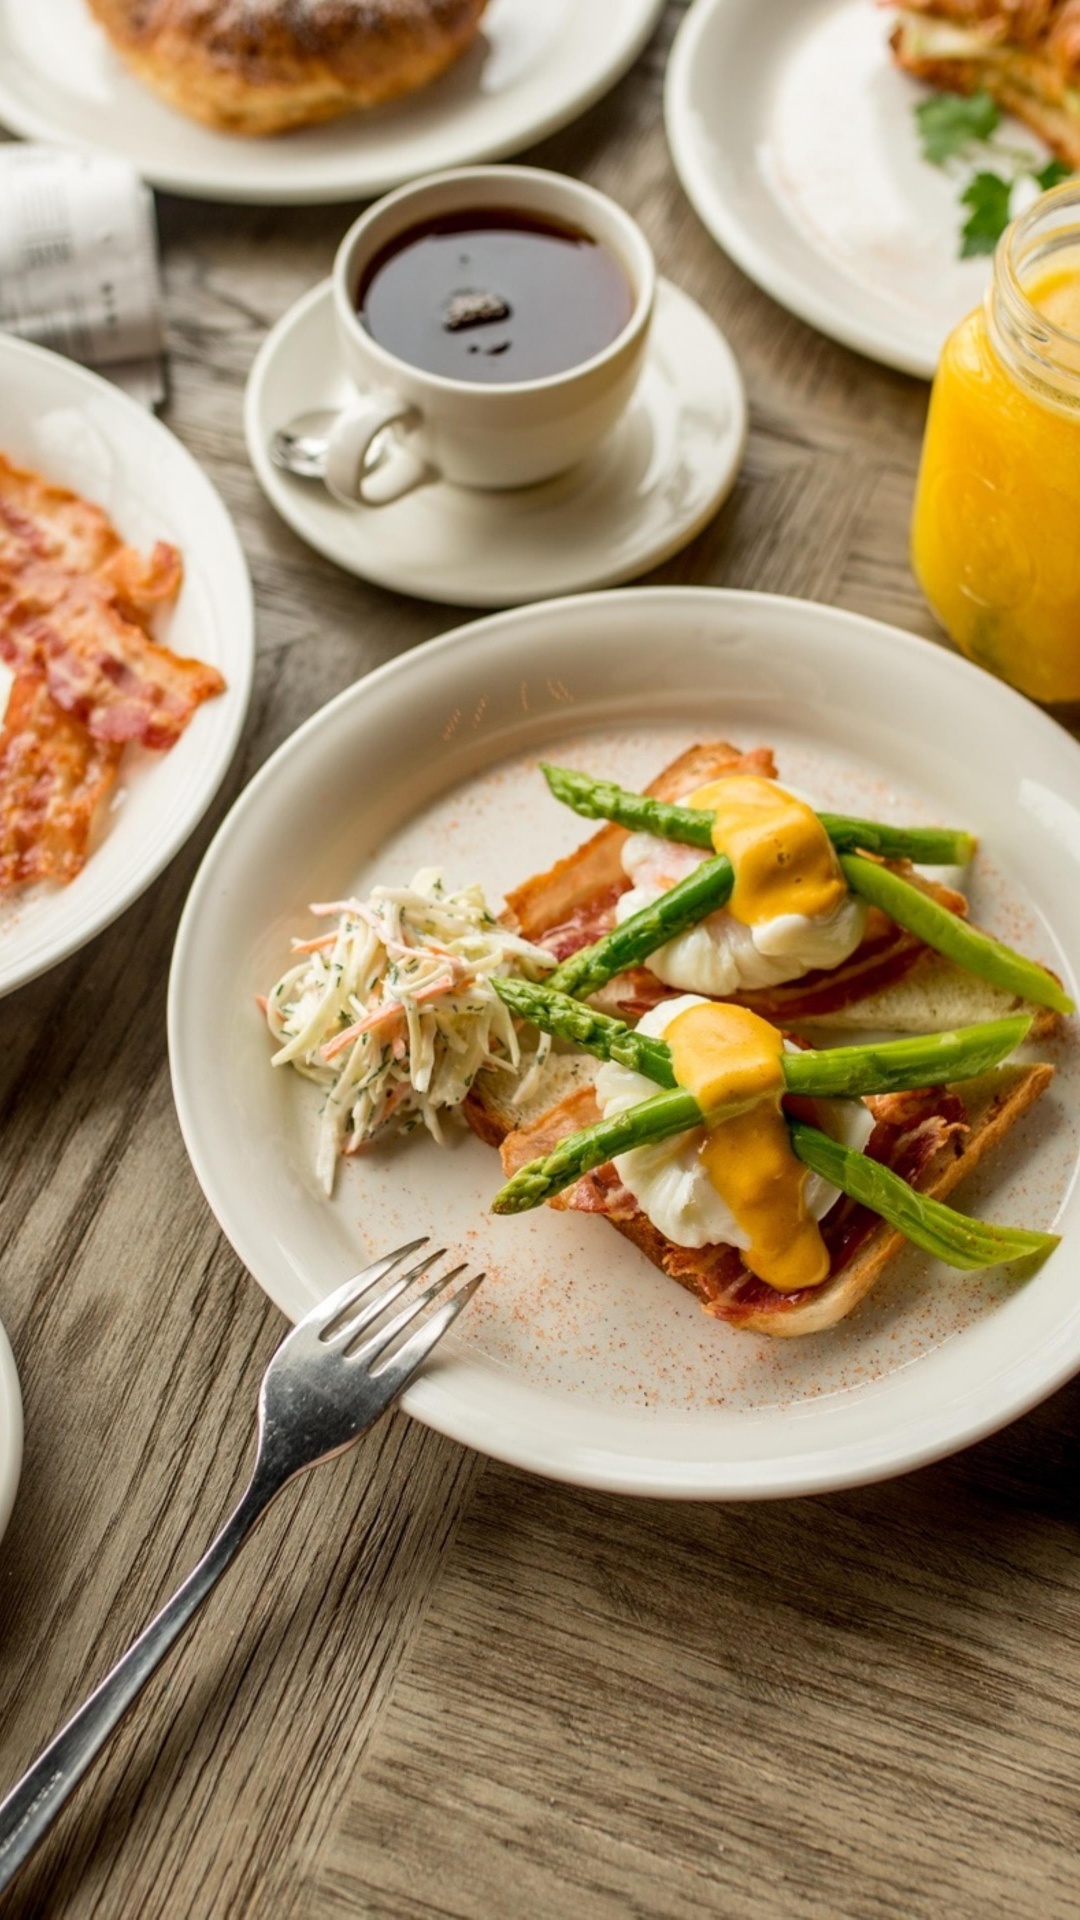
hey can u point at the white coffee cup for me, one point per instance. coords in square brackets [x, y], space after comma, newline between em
[407, 425]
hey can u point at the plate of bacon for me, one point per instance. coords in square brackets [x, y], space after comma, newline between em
[126, 650]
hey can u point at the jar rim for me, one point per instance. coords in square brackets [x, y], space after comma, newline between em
[1044, 353]
[1023, 229]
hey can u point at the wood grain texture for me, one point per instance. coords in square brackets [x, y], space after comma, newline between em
[841, 1706]
[433, 1689]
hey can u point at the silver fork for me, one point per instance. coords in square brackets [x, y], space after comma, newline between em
[319, 1394]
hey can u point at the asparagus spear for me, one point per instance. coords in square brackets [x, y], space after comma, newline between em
[950, 1236]
[896, 1066]
[655, 1119]
[638, 812]
[949, 935]
[892, 1066]
[641, 813]
[908, 906]
[683, 906]
[570, 1019]
[940, 1230]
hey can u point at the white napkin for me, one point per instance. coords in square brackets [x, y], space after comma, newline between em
[79, 263]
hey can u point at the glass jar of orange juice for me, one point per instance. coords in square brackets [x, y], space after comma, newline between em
[996, 532]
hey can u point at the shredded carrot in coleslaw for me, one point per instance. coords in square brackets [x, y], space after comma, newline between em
[394, 1015]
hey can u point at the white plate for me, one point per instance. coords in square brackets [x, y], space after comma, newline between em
[653, 484]
[578, 1359]
[793, 134]
[11, 1431]
[533, 68]
[81, 432]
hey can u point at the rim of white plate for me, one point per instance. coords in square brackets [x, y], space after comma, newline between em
[11, 1431]
[430, 1399]
[889, 346]
[53, 952]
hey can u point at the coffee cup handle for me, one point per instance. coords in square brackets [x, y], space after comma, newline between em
[352, 474]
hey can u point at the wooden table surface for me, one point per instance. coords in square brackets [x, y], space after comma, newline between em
[432, 1686]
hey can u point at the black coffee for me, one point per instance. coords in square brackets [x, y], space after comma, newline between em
[494, 295]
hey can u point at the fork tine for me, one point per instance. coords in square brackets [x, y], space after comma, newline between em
[399, 1370]
[385, 1297]
[384, 1337]
[343, 1297]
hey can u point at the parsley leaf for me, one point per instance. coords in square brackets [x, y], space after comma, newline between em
[954, 127]
[1052, 175]
[949, 122]
[989, 197]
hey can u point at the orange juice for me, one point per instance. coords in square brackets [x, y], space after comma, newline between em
[996, 531]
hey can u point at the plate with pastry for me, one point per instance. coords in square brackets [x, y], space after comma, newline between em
[303, 103]
[860, 160]
[659, 951]
[126, 651]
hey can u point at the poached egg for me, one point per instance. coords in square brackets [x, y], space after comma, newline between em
[670, 1180]
[726, 953]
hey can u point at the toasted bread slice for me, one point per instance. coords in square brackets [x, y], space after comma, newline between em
[893, 983]
[992, 1106]
[932, 997]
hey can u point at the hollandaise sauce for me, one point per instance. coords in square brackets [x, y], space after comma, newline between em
[995, 540]
[783, 858]
[727, 1054]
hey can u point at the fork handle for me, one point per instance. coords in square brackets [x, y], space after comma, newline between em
[32, 1806]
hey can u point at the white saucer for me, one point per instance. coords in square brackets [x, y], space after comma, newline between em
[11, 1430]
[650, 488]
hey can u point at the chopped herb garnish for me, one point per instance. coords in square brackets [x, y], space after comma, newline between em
[949, 123]
[957, 132]
[988, 197]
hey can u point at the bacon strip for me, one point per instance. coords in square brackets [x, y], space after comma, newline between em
[43, 522]
[100, 666]
[585, 925]
[145, 583]
[53, 776]
[76, 606]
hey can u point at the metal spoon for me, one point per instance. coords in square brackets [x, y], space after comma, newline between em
[301, 446]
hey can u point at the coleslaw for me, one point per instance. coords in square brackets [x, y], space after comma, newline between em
[393, 1013]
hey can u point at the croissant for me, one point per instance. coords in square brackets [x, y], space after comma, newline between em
[263, 66]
